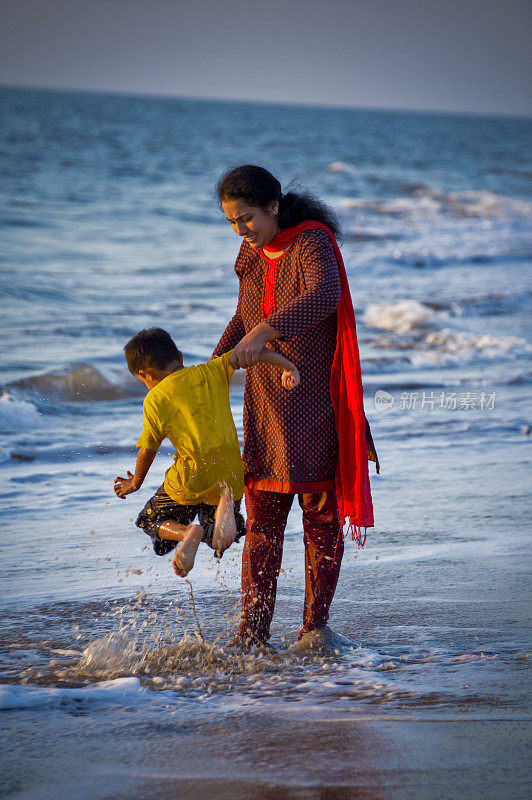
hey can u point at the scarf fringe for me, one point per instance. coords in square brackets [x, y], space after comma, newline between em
[356, 534]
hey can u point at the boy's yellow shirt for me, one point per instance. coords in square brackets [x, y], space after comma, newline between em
[191, 408]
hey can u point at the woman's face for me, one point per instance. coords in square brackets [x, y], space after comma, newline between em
[256, 225]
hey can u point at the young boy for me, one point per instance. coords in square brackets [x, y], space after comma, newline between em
[190, 406]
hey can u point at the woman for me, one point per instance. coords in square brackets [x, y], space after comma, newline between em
[292, 283]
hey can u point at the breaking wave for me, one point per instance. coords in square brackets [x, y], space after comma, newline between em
[401, 317]
[461, 342]
[79, 382]
[342, 168]
[429, 202]
[413, 326]
[16, 414]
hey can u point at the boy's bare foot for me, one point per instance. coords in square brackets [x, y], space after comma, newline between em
[224, 524]
[183, 560]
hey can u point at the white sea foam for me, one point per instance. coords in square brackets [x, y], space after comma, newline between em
[428, 202]
[462, 343]
[413, 317]
[402, 316]
[113, 691]
[16, 414]
[341, 167]
[474, 203]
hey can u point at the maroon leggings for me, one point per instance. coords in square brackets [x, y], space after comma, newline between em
[267, 513]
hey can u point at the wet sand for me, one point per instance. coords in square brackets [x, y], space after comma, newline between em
[131, 754]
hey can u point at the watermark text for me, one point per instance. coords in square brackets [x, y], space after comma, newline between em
[431, 401]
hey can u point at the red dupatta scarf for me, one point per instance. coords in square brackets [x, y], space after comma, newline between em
[352, 479]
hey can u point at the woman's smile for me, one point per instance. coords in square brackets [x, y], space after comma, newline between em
[257, 226]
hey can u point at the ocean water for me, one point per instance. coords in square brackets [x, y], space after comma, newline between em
[114, 684]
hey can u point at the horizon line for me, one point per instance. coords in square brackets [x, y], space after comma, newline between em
[162, 95]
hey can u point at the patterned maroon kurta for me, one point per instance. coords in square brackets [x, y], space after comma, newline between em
[290, 442]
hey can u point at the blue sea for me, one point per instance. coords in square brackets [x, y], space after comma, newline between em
[115, 681]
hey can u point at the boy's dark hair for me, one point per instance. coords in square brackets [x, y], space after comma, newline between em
[151, 347]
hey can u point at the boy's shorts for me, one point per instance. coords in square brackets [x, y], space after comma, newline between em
[162, 507]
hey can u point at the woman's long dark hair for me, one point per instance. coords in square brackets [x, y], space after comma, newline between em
[258, 187]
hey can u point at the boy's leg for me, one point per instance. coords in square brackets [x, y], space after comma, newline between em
[224, 533]
[158, 509]
[206, 517]
[267, 513]
[167, 523]
[191, 536]
[324, 547]
[172, 531]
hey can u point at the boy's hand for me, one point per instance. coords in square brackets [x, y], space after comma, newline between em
[290, 378]
[248, 350]
[125, 486]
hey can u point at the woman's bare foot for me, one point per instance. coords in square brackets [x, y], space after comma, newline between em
[183, 560]
[224, 524]
[246, 643]
[318, 640]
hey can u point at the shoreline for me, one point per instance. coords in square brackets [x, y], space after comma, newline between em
[259, 755]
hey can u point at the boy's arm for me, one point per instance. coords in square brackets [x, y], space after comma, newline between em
[290, 377]
[132, 483]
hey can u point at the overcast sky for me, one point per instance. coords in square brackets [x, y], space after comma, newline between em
[448, 55]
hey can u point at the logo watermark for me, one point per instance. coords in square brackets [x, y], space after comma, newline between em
[383, 400]
[430, 401]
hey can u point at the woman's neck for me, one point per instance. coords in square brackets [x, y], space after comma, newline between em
[275, 255]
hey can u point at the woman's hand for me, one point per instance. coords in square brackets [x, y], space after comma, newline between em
[247, 351]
